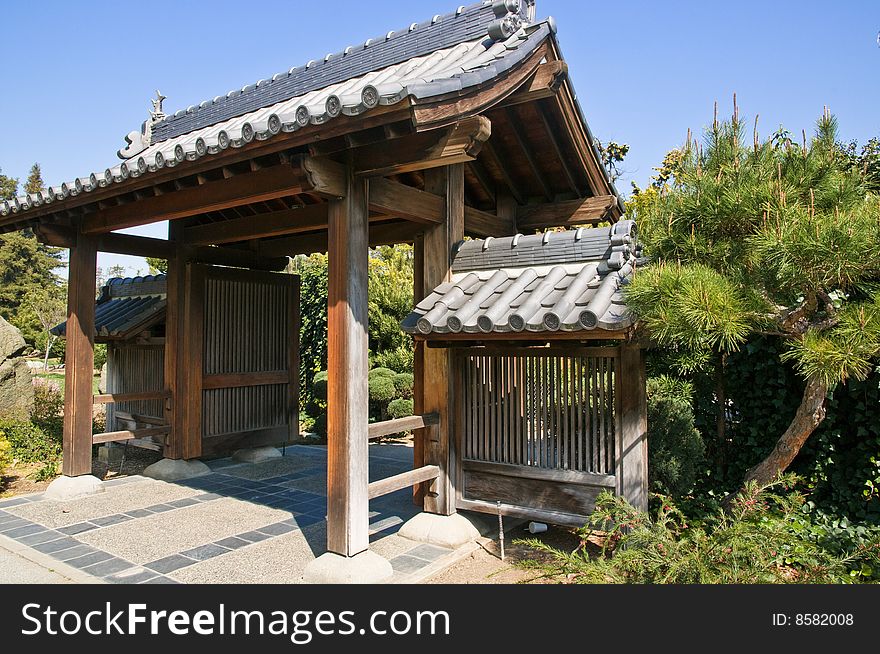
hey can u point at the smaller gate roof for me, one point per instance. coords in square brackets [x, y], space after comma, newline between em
[126, 307]
[553, 283]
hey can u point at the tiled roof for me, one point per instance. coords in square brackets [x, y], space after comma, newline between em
[555, 282]
[447, 54]
[126, 307]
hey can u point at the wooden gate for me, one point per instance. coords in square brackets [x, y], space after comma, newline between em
[537, 430]
[244, 327]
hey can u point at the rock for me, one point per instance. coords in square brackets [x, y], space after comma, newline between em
[256, 455]
[365, 568]
[16, 389]
[176, 469]
[450, 531]
[64, 489]
[11, 341]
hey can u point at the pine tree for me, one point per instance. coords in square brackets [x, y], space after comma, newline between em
[34, 181]
[776, 238]
[8, 186]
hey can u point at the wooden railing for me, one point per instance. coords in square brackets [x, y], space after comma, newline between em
[157, 426]
[412, 477]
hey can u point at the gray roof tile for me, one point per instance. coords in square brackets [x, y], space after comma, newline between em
[571, 281]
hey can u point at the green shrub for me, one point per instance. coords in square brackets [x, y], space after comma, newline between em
[381, 372]
[319, 386]
[399, 359]
[382, 388]
[320, 426]
[675, 447]
[48, 402]
[100, 355]
[5, 453]
[761, 540]
[30, 443]
[400, 408]
[403, 384]
[47, 472]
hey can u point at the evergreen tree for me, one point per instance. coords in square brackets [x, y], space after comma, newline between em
[34, 181]
[771, 237]
[8, 186]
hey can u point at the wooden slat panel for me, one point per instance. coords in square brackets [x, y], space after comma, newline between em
[403, 480]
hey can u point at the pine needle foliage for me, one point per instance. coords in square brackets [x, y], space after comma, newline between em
[763, 237]
[763, 539]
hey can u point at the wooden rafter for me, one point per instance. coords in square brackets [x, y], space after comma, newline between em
[566, 214]
[518, 134]
[489, 149]
[554, 141]
[545, 83]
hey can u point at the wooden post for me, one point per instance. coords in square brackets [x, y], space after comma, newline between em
[419, 294]
[176, 294]
[632, 450]
[348, 364]
[435, 378]
[79, 365]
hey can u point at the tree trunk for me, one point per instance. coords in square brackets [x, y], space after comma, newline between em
[49, 343]
[810, 415]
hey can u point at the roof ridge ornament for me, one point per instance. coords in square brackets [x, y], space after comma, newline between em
[137, 142]
[510, 18]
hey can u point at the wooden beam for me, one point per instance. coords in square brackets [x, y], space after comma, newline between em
[402, 201]
[435, 112]
[79, 366]
[245, 379]
[429, 149]
[545, 83]
[348, 364]
[565, 214]
[276, 223]
[631, 463]
[433, 387]
[554, 141]
[519, 135]
[386, 233]
[403, 480]
[264, 184]
[389, 427]
[482, 223]
[512, 187]
[506, 207]
[116, 398]
[126, 435]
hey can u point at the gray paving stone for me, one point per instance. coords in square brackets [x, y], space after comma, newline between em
[25, 530]
[207, 497]
[132, 576]
[108, 567]
[54, 546]
[74, 552]
[78, 528]
[186, 501]
[15, 501]
[40, 537]
[404, 564]
[429, 553]
[253, 536]
[160, 508]
[139, 513]
[170, 563]
[89, 559]
[205, 552]
[9, 525]
[232, 543]
[111, 520]
[277, 529]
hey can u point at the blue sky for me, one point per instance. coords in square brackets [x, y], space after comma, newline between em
[79, 75]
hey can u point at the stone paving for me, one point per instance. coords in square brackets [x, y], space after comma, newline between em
[243, 523]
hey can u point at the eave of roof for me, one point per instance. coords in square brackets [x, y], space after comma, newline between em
[470, 58]
[553, 284]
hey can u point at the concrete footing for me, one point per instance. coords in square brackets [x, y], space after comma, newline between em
[451, 531]
[71, 488]
[365, 568]
[256, 455]
[176, 469]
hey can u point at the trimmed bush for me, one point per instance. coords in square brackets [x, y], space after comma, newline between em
[400, 408]
[675, 449]
[381, 372]
[382, 388]
[29, 443]
[403, 384]
[5, 454]
[400, 359]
